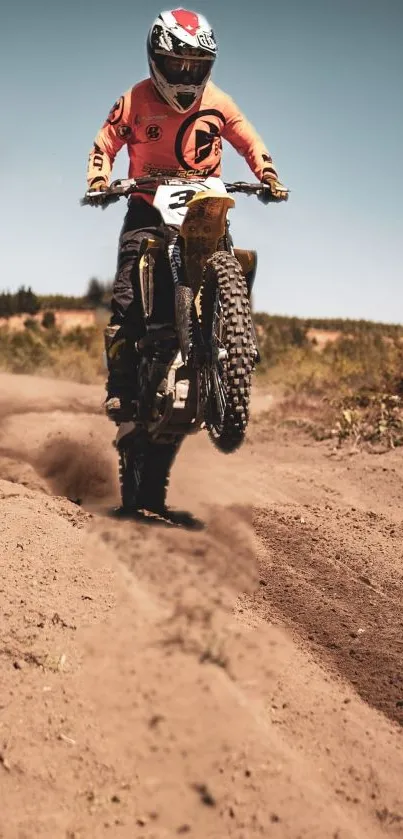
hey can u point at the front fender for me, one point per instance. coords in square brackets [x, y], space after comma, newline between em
[202, 228]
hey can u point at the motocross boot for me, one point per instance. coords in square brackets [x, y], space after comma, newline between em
[122, 374]
[158, 463]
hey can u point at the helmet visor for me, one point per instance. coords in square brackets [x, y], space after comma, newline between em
[184, 69]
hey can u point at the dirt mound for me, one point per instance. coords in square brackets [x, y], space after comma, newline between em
[20, 472]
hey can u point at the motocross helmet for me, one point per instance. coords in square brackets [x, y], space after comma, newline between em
[181, 51]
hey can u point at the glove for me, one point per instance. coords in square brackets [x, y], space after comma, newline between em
[94, 196]
[278, 192]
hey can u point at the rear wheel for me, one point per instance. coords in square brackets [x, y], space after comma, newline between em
[227, 331]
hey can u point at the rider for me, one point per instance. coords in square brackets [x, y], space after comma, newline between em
[172, 123]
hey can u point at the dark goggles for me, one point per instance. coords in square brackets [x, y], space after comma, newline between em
[184, 69]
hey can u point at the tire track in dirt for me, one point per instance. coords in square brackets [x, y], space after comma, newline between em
[330, 576]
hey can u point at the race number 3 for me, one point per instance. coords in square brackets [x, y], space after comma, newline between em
[181, 198]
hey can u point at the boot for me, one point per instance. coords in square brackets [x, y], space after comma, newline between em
[122, 374]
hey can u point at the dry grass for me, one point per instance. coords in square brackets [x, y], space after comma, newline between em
[351, 390]
[76, 355]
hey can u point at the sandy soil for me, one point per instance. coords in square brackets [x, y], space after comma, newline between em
[237, 681]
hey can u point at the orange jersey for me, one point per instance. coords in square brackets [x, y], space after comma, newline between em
[160, 140]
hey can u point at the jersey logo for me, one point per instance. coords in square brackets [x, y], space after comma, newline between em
[153, 132]
[207, 42]
[194, 144]
[124, 131]
[206, 141]
[115, 113]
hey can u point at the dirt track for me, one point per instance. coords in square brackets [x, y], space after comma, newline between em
[244, 680]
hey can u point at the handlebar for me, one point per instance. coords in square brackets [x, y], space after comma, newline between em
[125, 187]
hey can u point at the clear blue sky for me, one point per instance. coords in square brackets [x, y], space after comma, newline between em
[320, 79]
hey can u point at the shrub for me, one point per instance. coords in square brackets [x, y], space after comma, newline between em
[48, 320]
[31, 323]
[76, 356]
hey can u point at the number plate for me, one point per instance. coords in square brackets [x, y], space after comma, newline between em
[172, 200]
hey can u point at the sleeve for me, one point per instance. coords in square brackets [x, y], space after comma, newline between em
[114, 133]
[243, 137]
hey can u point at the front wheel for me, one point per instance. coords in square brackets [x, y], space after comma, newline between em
[227, 332]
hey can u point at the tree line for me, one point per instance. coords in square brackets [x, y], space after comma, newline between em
[25, 302]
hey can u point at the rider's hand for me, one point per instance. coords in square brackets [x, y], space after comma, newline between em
[94, 195]
[278, 192]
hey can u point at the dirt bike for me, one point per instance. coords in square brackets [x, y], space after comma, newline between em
[194, 370]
